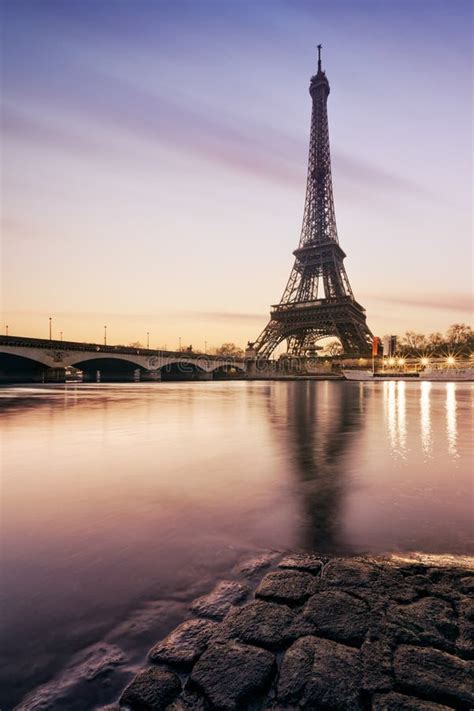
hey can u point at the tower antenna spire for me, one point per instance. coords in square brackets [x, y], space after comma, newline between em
[320, 46]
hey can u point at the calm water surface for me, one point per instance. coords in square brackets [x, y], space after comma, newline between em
[122, 502]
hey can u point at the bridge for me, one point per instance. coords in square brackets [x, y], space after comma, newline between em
[29, 360]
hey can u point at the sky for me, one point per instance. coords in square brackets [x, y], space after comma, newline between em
[154, 158]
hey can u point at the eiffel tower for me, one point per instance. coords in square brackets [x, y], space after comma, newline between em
[318, 301]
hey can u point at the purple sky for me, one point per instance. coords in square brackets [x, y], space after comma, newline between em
[154, 162]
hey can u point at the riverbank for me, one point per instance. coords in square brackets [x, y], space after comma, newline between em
[379, 633]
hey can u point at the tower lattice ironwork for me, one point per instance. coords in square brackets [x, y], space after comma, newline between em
[318, 301]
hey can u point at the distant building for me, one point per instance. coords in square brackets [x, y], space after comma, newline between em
[389, 346]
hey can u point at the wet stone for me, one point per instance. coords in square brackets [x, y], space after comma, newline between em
[335, 677]
[254, 565]
[319, 673]
[231, 673]
[435, 675]
[376, 660]
[400, 702]
[369, 580]
[185, 644]
[428, 621]
[466, 584]
[308, 563]
[189, 700]
[290, 586]
[350, 573]
[262, 623]
[219, 601]
[466, 608]
[296, 670]
[151, 690]
[337, 615]
[465, 640]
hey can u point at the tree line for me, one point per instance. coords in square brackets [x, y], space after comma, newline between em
[458, 339]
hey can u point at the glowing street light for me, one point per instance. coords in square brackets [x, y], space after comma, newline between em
[391, 361]
[401, 361]
[425, 361]
[450, 360]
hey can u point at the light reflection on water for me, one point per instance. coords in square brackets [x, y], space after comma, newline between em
[425, 418]
[118, 493]
[394, 393]
[451, 418]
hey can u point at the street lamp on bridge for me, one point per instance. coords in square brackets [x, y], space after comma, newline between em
[105, 335]
[148, 340]
[50, 328]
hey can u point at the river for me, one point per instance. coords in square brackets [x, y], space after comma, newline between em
[122, 502]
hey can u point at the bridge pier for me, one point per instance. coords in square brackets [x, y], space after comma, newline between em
[153, 376]
[203, 376]
[111, 376]
[34, 374]
[54, 375]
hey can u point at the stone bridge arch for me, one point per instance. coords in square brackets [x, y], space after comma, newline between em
[49, 360]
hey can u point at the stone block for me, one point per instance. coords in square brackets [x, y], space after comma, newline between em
[400, 702]
[306, 562]
[319, 673]
[219, 601]
[435, 675]
[151, 690]
[262, 623]
[289, 586]
[231, 673]
[185, 644]
[338, 615]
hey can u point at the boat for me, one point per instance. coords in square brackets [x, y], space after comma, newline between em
[429, 374]
[358, 375]
[448, 374]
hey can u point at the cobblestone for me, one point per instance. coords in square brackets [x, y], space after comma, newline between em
[389, 634]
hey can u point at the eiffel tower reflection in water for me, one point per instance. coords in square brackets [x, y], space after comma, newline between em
[321, 422]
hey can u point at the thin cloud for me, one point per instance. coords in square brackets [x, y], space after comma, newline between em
[258, 151]
[447, 302]
[355, 170]
[223, 316]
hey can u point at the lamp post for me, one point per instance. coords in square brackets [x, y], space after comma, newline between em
[148, 340]
[179, 344]
[105, 335]
[6, 330]
[60, 335]
[205, 346]
[50, 328]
